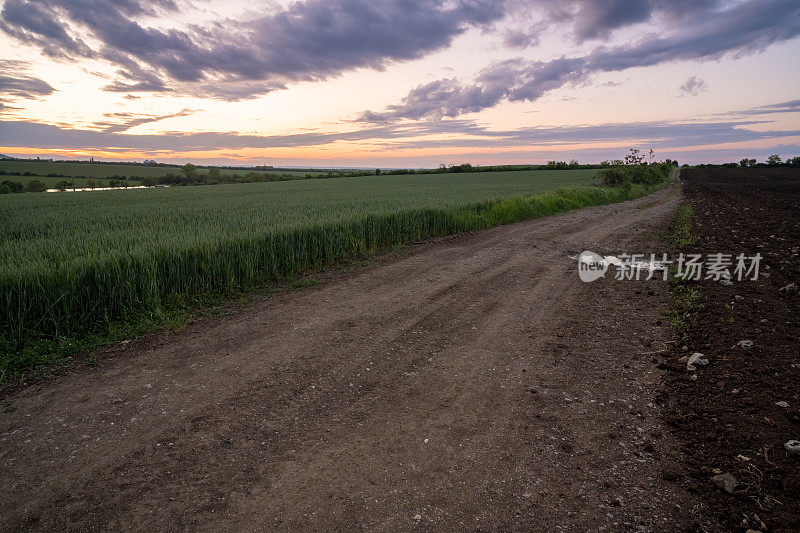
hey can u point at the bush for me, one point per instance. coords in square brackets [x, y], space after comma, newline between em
[36, 186]
[626, 175]
[614, 177]
[11, 186]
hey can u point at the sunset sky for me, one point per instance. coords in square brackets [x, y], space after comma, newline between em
[398, 83]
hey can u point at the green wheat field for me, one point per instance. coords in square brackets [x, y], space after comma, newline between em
[75, 263]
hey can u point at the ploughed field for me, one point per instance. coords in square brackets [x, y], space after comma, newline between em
[737, 416]
[76, 263]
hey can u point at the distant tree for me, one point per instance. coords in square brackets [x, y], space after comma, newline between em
[189, 171]
[465, 167]
[774, 160]
[62, 185]
[635, 157]
[214, 174]
[573, 163]
[5, 188]
[172, 179]
[12, 186]
[377, 172]
[91, 184]
[149, 181]
[36, 186]
[793, 162]
[744, 162]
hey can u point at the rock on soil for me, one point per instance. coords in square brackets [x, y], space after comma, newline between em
[695, 359]
[726, 482]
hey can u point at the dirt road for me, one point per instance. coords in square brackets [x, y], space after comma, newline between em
[472, 383]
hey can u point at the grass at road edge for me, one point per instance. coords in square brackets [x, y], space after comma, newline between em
[684, 297]
[33, 357]
[681, 232]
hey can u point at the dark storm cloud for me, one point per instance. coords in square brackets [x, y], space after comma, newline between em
[16, 83]
[311, 40]
[745, 27]
[393, 137]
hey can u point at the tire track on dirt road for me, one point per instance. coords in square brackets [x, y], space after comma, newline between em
[473, 383]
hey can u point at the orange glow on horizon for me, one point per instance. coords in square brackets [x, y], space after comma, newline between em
[332, 152]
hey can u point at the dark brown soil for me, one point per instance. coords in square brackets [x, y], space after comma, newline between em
[473, 384]
[728, 418]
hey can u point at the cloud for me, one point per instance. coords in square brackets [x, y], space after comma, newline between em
[16, 84]
[693, 87]
[126, 121]
[137, 79]
[519, 39]
[657, 134]
[311, 40]
[792, 106]
[36, 23]
[589, 20]
[598, 18]
[744, 27]
[513, 79]
[461, 133]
